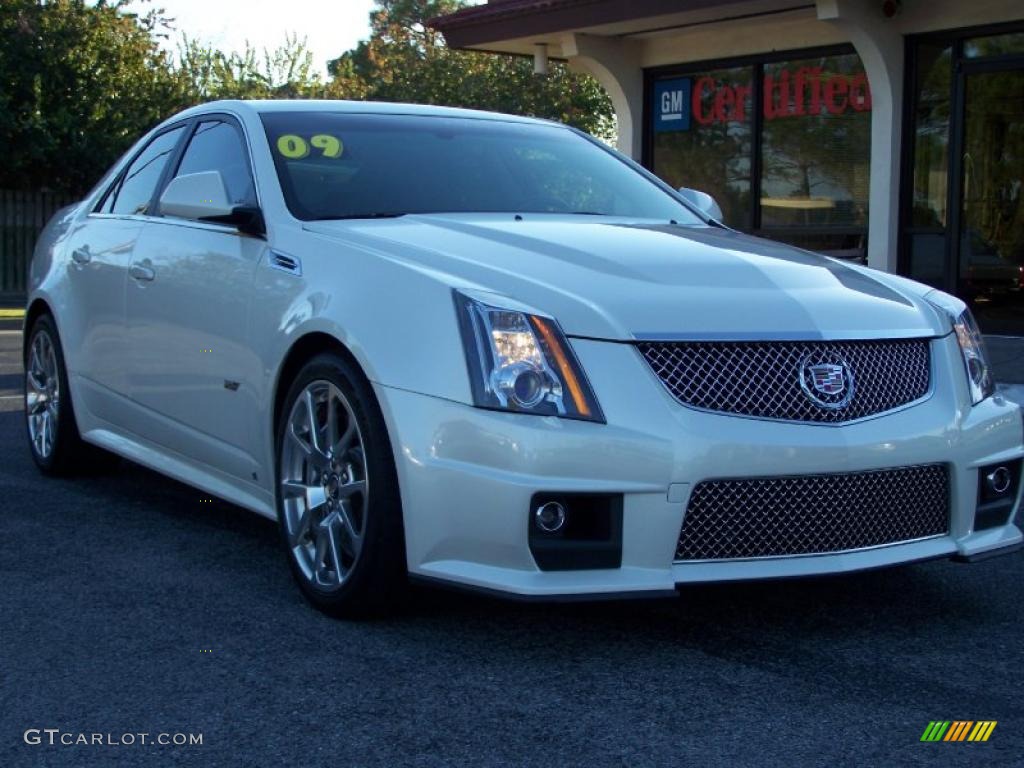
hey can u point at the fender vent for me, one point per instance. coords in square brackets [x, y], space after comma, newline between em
[285, 263]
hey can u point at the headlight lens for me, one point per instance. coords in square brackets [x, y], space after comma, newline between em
[522, 362]
[972, 345]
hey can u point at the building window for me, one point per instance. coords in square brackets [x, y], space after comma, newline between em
[805, 149]
[708, 146]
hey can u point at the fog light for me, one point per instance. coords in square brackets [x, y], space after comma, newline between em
[999, 480]
[550, 517]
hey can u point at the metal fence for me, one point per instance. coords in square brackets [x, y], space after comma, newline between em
[22, 217]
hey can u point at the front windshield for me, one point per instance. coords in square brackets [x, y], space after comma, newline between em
[338, 166]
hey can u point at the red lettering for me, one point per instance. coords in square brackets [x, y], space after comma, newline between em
[698, 100]
[725, 102]
[835, 87]
[785, 105]
[799, 98]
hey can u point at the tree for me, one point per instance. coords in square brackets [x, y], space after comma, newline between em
[285, 72]
[78, 84]
[405, 60]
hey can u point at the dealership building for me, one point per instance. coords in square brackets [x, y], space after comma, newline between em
[877, 129]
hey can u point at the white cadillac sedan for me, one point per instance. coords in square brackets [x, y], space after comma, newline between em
[488, 351]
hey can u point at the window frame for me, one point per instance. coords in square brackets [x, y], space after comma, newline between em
[174, 162]
[179, 156]
[757, 63]
[114, 187]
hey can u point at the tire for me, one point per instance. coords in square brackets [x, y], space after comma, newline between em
[60, 450]
[338, 504]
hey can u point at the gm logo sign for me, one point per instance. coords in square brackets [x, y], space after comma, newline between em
[672, 100]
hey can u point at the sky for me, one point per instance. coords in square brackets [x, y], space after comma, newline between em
[329, 26]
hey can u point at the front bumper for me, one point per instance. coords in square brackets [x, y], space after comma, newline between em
[467, 476]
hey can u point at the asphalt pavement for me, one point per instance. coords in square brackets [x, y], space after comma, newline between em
[131, 605]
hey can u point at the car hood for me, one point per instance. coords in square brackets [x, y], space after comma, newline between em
[619, 279]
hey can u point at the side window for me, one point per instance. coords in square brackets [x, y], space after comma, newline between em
[218, 146]
[140, 180]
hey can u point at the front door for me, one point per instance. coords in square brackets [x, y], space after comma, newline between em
[192, 373]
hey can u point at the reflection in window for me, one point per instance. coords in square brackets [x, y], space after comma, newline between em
[711, 151]
[928, 215]
[139, 182]
[931, 136]
[816, 143]
[995, 45]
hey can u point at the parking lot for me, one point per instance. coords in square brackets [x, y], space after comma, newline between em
[131, 605]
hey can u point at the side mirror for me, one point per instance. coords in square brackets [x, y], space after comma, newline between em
[203, 196]
[702, 201]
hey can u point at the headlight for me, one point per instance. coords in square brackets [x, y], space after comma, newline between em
[972, 345]
[522, 362]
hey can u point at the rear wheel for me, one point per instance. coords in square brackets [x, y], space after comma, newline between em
[56, 445]
[338, 503]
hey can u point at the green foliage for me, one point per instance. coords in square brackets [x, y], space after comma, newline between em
[285, 73]
[78, 84]
[81, 81]
[404, 60]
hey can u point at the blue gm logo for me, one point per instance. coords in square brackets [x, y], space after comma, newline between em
[672, 99]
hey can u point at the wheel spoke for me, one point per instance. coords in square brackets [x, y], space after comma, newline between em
[292, 489]
[321, 550]
[34, 381]
[314, 429]
[331, 427]
[332, 537]
[302, 527]
[298, 441]
[34, 402]
[346, 491]
[352, 537]
[343, 443]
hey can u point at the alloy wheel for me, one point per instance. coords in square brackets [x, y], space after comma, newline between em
[324, 485]
[42, 394]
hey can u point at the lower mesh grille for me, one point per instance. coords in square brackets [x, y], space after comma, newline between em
[775, 517]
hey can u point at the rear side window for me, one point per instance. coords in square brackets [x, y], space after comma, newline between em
[136, 187]
[218, 146]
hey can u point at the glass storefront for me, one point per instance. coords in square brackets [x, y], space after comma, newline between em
[805, 149]
[963, 217]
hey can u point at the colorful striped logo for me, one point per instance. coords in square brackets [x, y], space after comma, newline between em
[959, 730]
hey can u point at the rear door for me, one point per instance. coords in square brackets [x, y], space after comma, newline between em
[100, 250]
[191, 370]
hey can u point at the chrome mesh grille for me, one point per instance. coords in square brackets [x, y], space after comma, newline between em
[775, 517]
[763, 379]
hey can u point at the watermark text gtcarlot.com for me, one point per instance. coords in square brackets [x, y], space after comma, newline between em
[54, 737]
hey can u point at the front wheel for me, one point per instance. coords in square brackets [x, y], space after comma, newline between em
[338, 504]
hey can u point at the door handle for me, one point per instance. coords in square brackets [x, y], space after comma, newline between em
[81, 256]
[141, 272]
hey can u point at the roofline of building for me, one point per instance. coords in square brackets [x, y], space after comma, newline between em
[513, 19]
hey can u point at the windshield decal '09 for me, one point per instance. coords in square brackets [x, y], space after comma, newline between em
[295, 147]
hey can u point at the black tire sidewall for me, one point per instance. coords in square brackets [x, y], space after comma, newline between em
[374, 581]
